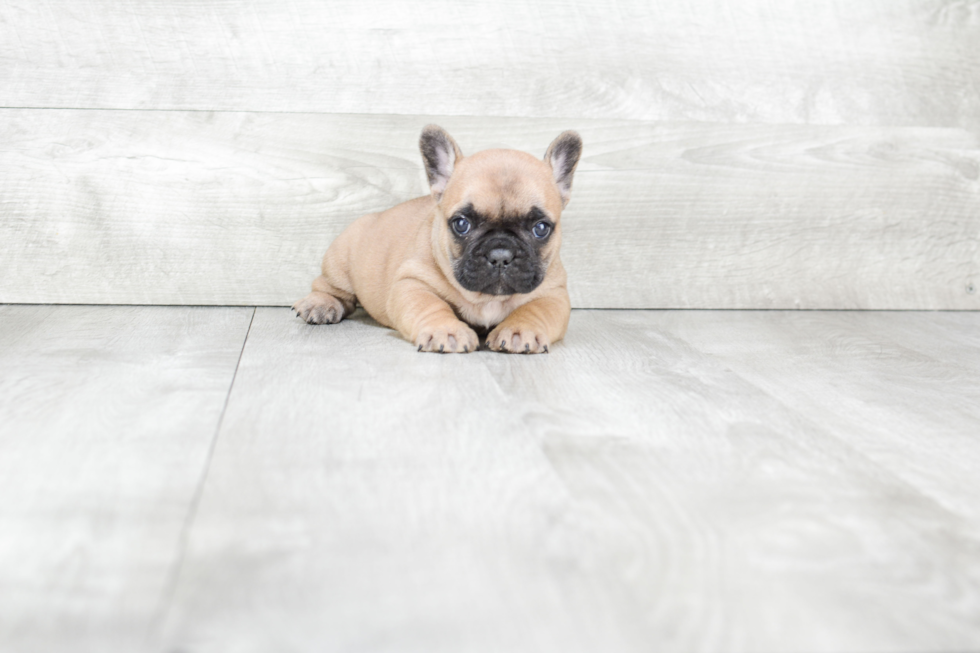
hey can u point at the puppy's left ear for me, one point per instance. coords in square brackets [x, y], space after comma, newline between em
[439, 155]
[563, 155]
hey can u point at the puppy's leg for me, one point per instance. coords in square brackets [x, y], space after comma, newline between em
[333, 297]
[427, 321]
[327, 304]
[533, 327]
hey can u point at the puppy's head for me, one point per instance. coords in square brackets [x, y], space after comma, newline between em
[498, 215]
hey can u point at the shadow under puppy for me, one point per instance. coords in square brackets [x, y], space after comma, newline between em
[480, 251]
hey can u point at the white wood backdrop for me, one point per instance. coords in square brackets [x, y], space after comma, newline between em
[740, 154]
[894, 62]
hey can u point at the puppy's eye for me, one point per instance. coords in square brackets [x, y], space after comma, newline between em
[541, 229]
[461, 225]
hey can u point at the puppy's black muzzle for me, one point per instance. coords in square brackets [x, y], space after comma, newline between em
[499, 264]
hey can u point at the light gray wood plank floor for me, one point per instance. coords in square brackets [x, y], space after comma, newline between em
[664, 480]
[107, 415]
[630, 492]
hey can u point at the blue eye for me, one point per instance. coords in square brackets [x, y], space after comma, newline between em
[541, 229]
[461, 225]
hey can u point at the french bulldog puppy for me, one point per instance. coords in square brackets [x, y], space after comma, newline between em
[481, 251]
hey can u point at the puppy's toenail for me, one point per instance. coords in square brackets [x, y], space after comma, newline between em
[420, 347]
[527, 349]
[546, 349]
[441, 347]
[466, 349]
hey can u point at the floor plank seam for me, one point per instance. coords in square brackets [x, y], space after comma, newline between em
[171, 584]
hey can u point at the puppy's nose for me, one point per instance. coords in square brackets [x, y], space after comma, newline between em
[500, 257]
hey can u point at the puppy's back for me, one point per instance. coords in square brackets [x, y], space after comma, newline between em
[368, 253]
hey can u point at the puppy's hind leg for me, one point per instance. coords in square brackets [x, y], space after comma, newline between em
[327, 304]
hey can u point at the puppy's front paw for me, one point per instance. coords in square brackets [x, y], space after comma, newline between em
[517, 339]
[319, 308]
[449, 338]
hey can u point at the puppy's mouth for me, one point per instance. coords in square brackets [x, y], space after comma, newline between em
[503, 284]
[498, 268]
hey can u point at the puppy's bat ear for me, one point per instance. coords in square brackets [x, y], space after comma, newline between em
[439, 155]
[563, 155]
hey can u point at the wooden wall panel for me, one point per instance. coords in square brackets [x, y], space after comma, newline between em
[237, 208]
[869, 62]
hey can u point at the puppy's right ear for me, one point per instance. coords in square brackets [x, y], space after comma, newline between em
[439, 154]
[563, 155]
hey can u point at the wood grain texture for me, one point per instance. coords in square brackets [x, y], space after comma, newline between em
[106, 419]
[627, 492]
[911, 383]
[238, 208]
[875, 62]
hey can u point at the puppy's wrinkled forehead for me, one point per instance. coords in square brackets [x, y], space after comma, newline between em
[502, 183]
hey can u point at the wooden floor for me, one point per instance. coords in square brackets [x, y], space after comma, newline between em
[179, 479]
